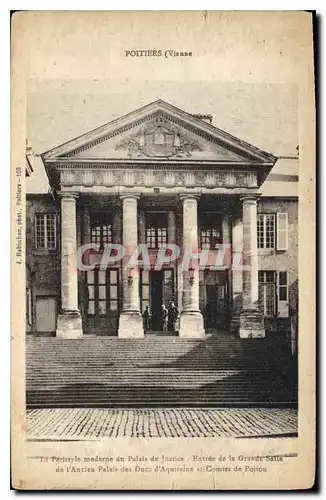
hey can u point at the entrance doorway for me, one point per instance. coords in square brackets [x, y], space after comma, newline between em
[46, 314]
[99, 301]
[156, 294]
[156, 288]
[216, 306]
[214, 299]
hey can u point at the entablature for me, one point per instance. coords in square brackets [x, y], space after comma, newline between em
[164, 179]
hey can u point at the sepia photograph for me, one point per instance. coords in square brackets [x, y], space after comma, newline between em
[161, 263]
[163, 237]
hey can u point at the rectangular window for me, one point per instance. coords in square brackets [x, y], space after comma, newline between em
[45, 231]
[266, 230]
[101, 231]
[267, 292]
[283, 300]
[282, 286]
[156, 229]
[103, 291]
[210, 230]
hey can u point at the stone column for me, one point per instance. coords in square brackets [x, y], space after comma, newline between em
[237, 245]
[130, 321]
[171, 227]
[191, 319]
[251, 320]
[69, 323]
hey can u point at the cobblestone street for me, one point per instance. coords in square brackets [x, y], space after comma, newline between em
[96, 424]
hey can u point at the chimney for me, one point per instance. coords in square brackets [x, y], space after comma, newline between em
[204, 118]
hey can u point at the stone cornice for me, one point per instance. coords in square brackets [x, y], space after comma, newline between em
[66, 163]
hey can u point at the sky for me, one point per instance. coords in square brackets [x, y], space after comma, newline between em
[264, 115]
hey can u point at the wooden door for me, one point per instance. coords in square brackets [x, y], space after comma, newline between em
[46, 314]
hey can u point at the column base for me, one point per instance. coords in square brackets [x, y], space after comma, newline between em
[191, 325]
[130, 325]
[251, 324]
[69, 325]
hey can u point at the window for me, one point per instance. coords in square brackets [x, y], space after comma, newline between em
[210, 230]
[45, 231]
[267, 292]
[272, 231]
[269, 283]
[282, 286]
[266, 230]
[101, 232]
[283, 301]
[156, 229]
[103, 287]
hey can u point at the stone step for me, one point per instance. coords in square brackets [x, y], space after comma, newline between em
[110, 372]
[134, 380]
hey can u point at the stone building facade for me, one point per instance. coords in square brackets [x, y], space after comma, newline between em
[165, 181]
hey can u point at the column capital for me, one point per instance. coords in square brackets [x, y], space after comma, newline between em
[68, 194]
[189, 196]
[131, 196]
[250, 198]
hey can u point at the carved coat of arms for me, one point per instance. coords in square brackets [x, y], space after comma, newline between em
[159, 139]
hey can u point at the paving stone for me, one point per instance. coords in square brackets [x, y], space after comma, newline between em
[84, 424]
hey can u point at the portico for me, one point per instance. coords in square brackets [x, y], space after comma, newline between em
[156, 178]
[202, 288]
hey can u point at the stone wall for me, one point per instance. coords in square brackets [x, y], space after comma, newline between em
[43, 265]
[282, 260]
[274, 260]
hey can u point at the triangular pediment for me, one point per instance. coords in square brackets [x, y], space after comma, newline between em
[159, 131]
[160, 138]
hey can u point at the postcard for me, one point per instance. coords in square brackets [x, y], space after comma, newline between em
[163, 250]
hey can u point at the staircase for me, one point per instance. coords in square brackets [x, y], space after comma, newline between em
[164, 371]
